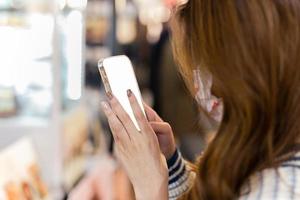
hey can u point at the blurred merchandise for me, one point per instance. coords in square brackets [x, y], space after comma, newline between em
[126, 22]
[99, 25]
[153, 14]
[98, 21]
[82, 139]
[74, 140]
[19, 173]
[8, 105]
[106, 180]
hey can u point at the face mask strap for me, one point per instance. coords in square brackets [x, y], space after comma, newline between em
[203, 84]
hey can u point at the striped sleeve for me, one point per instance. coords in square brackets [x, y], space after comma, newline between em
[275, 183]
[181, 177]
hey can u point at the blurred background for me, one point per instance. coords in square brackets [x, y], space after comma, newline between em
[52, 131]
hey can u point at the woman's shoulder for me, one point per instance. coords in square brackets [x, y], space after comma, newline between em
[280, 183]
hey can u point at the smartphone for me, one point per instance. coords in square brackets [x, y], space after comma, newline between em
[118, 76]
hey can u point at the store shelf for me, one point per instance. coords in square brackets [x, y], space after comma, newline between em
[24, 122]
[45, 82]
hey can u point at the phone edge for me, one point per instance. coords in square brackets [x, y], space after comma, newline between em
[103, 76]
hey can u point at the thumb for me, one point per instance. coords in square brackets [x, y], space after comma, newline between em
[162, 128]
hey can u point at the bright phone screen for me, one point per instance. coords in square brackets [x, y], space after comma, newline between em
[120, 77]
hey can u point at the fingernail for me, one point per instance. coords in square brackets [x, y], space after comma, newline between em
[129, 93]
[109, 95]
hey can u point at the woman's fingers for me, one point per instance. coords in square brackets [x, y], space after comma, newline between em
[151, 114]
[165, 138]
[161, 127]
[123, 116]
[119, 133]
[138, 113]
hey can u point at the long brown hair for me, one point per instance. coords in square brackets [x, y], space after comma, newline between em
[252, 50]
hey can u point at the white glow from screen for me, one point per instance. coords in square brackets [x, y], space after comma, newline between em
[74, 29]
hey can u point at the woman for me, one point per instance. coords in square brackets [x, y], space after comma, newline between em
[251, 49]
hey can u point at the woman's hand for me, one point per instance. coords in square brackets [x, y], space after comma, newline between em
[163, 132]
[138, 151]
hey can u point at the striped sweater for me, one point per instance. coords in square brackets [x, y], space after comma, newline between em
[269, 184]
